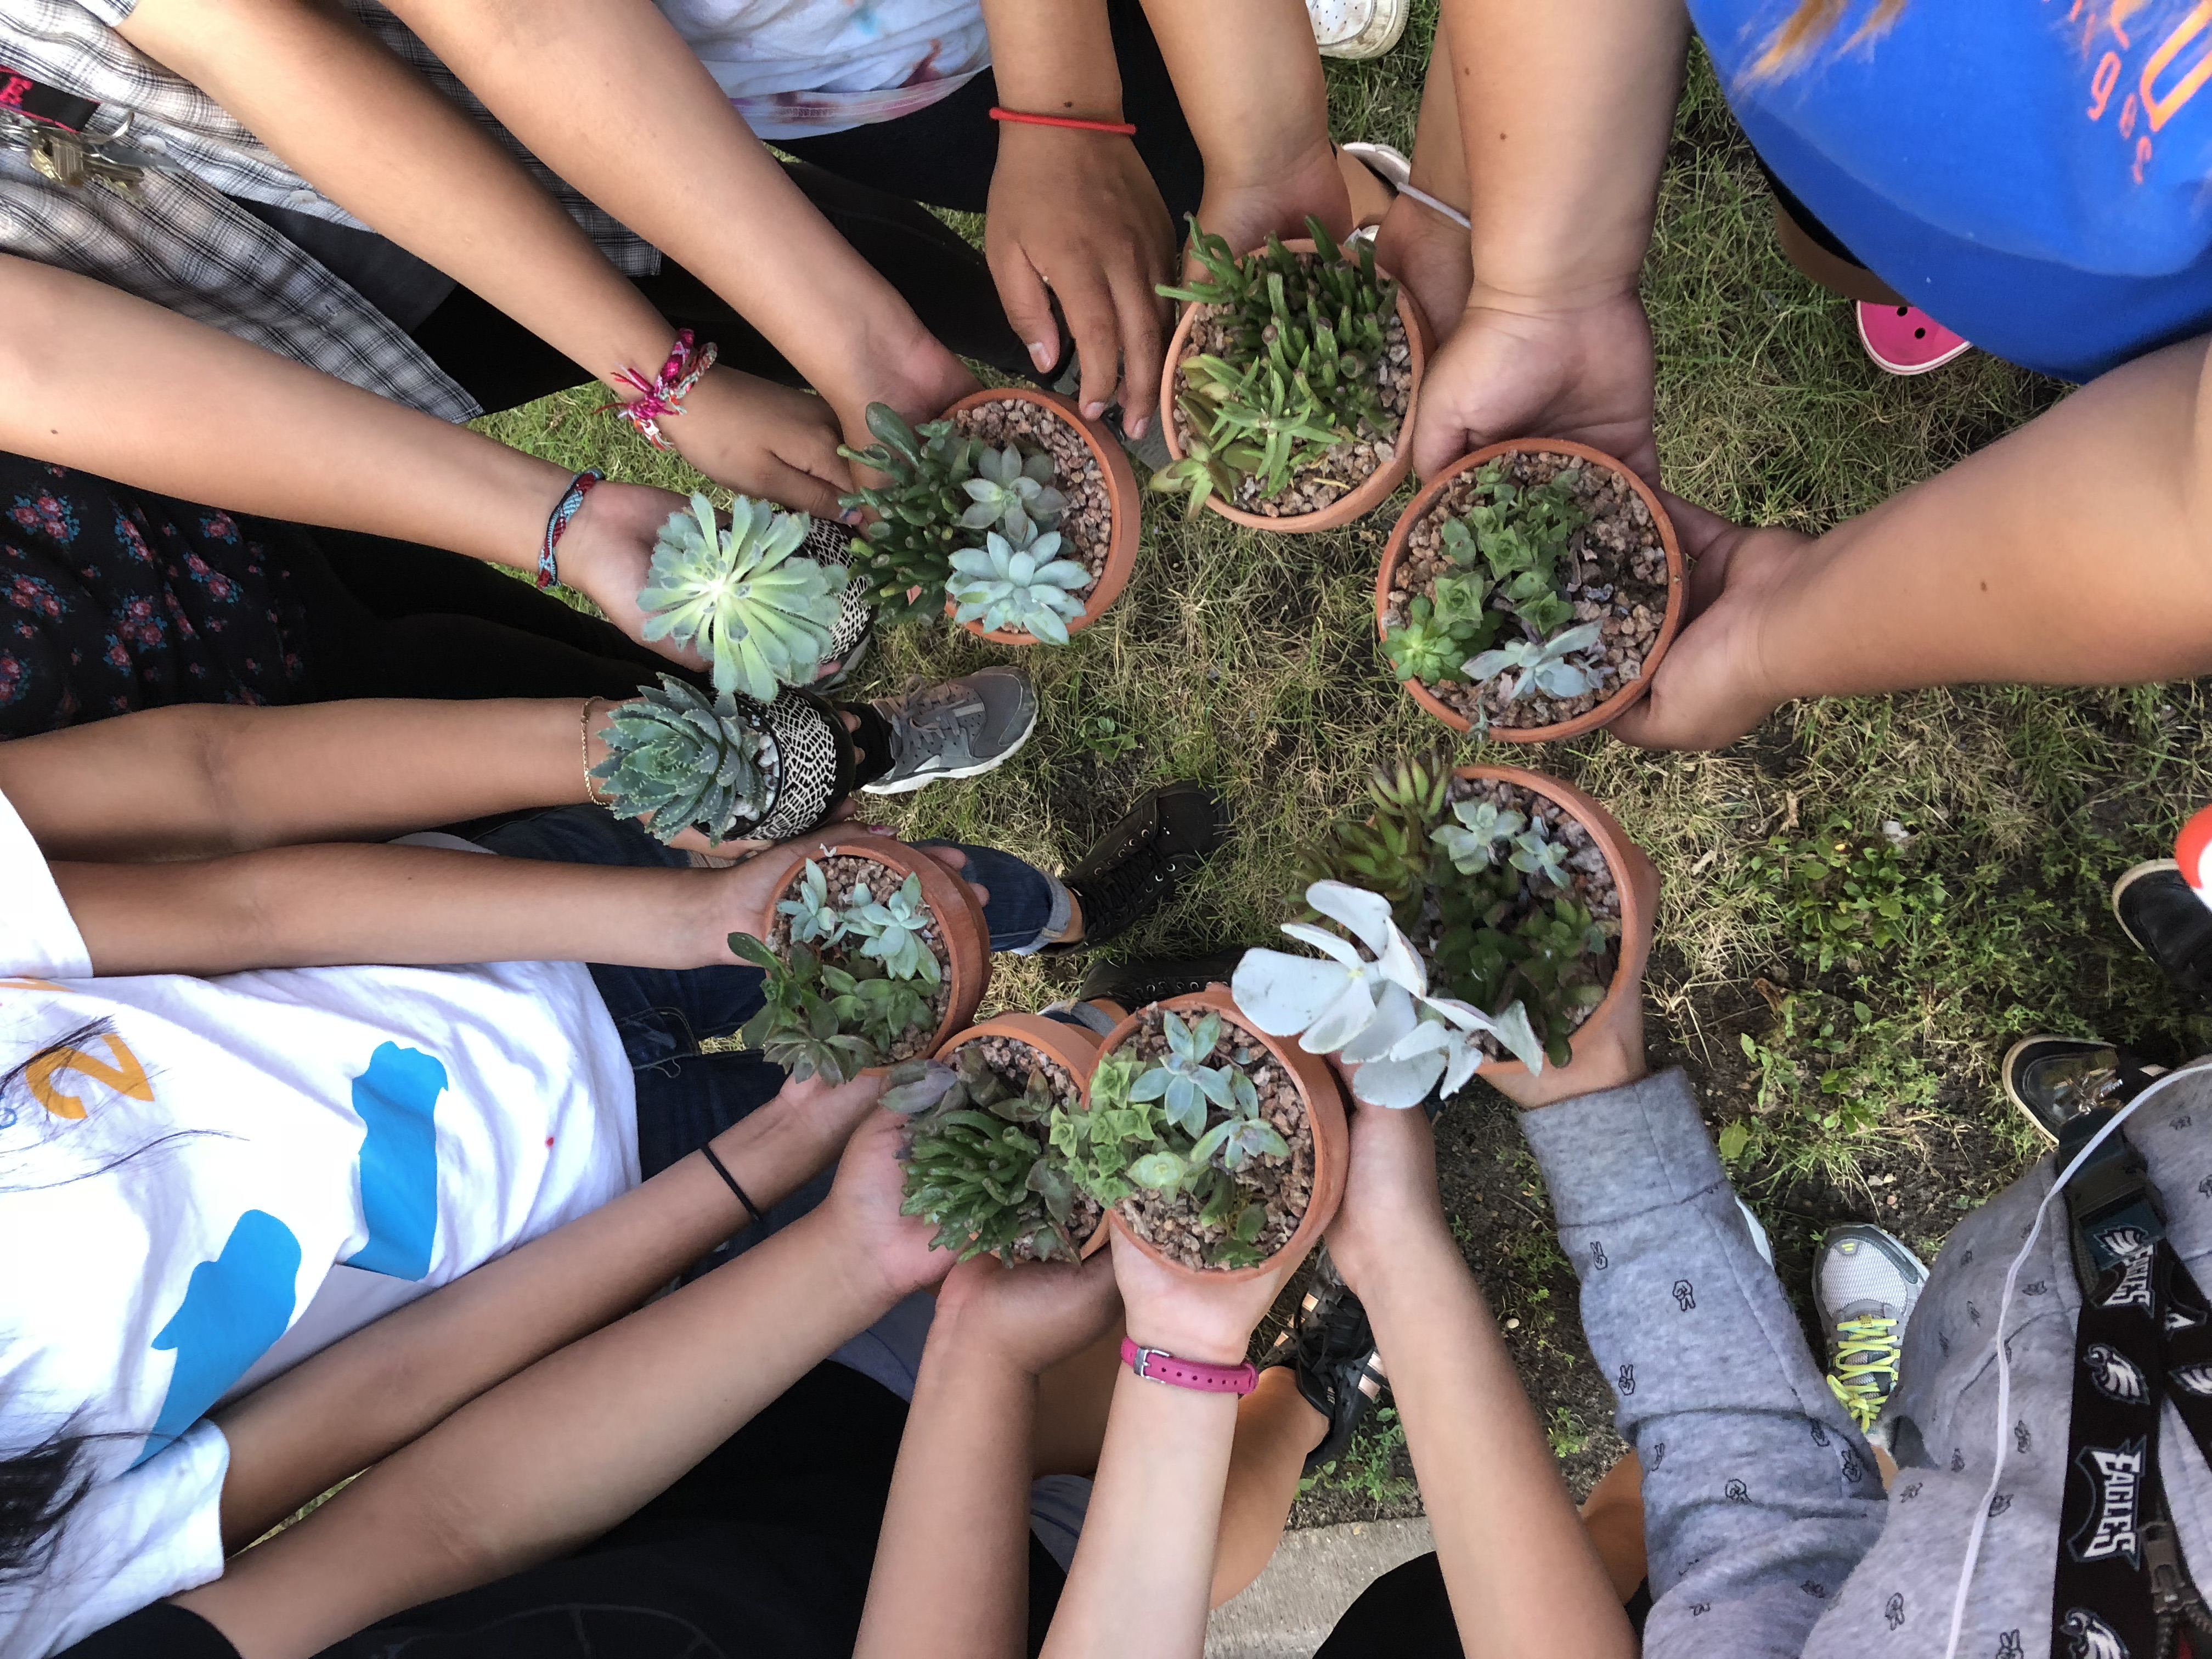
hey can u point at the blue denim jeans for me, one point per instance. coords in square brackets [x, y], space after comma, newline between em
[686, 1097]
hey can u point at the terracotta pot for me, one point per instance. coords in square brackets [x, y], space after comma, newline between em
[1074, 1046]
[1613, 842]
[1122, 495]
[1621, 700]
[967, 936]
[1380, 482]
[1324, 1101]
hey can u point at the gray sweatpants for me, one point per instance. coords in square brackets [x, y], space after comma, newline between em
[1768, 1529]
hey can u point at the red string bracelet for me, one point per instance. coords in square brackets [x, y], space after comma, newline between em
[1120, 129]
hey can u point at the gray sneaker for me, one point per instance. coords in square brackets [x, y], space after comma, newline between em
[958, 729]
[1865, 1284]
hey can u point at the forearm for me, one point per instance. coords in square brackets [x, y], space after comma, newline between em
[1566, 111]
[955, 1590]
[727, 213]
[1143, 1570]
[556, 1455]
[1054, 57]
[1249, 82]
[314, 907]
[238, 780]
[2005, 567]
[291, 443]
[1522, 1575]
[378, 140]
[360, 1399]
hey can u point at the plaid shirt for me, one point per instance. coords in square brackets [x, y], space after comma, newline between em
[180, 245]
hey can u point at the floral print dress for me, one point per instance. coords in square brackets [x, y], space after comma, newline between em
[112, 599]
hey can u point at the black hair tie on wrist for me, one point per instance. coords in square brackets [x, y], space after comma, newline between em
[752, 1210]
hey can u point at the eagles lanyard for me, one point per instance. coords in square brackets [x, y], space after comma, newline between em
[2145, 1336]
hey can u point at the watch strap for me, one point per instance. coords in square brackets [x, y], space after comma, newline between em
[1157, 1365]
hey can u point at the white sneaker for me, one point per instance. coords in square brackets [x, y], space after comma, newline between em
[1865, 1284]
[1357, 28]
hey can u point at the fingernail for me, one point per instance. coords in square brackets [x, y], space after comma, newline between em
[1092, 411]
[1135, 427]
[851, 515]
[1042, 354]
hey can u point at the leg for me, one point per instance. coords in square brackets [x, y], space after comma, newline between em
[1276, 1432]
[1613, 1514]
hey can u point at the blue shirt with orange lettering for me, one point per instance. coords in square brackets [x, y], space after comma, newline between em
[2036, 174]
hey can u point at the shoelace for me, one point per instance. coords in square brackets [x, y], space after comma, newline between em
[1856, 1380]
[946, 720]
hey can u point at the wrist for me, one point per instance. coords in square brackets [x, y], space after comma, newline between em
[1208, 1341]
[1419, 1268]
[1547, 296]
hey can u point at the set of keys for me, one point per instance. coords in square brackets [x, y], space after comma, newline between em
[69, 159]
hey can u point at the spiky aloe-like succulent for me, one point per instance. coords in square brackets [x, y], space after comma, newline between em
[1013, 494]
[1026, 589]
[680, 762]
[1308, 337]
[978, 1168]
[740, 597]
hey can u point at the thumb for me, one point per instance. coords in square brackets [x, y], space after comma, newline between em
[1028, 305]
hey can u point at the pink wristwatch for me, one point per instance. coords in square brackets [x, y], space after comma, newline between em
[1156, 1366]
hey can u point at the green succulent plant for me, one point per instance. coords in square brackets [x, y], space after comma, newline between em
[680, 760]
[1148, 1126]
[1206, 469]
[815, 919]
[892, 929]
[1512, 550]
[1483, 892]
[1545, 665]
[762, 617]
[1308, 338]
[1013, 495]
[798, 1027]
[978, 1165]
[1028, 590]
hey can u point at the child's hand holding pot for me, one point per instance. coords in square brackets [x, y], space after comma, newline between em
[1191, 1313]
[1029, 1317]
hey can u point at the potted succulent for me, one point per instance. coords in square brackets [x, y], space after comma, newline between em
[762, 613]
[1529, 591]
[874, 954]
[678, 760]
[979, 1166]
[1479, 915]
[1214, 1147]
[1290, 385]
[1010, 512]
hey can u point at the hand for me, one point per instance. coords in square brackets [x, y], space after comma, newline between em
[742, 891]
[1609, 1048]
[1432, 256]
[1391, 1209]
[1513, 371]
[759, 439]
[823, 1114]
[1031, 1316]
[1076, 216]
[607, 550]
[878, 1244]
[1207, 1317]
[1246, 211]
[1714, 684]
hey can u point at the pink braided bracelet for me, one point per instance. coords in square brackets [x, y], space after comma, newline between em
[665, 394]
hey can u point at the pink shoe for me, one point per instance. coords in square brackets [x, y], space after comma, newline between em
[1906, 340]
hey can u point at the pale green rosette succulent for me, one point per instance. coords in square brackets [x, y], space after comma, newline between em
[761, 617]
[1024, 589]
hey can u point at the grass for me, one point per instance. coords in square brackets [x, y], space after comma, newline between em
[1864, 901]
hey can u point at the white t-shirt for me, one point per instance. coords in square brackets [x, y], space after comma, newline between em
[796, 68]
[178, 1179]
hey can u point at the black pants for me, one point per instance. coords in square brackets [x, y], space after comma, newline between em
[867, 182]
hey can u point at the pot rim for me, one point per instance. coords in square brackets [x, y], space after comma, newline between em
[1378, 484]
[1122, 496]
[1323, 1099]
[1621, 702]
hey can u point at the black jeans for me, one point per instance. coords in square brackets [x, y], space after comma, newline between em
[867, 181]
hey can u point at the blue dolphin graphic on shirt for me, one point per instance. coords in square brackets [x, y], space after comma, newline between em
[234, 1309]
[398, 1098]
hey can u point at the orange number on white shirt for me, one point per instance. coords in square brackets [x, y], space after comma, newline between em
[126, 1076]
